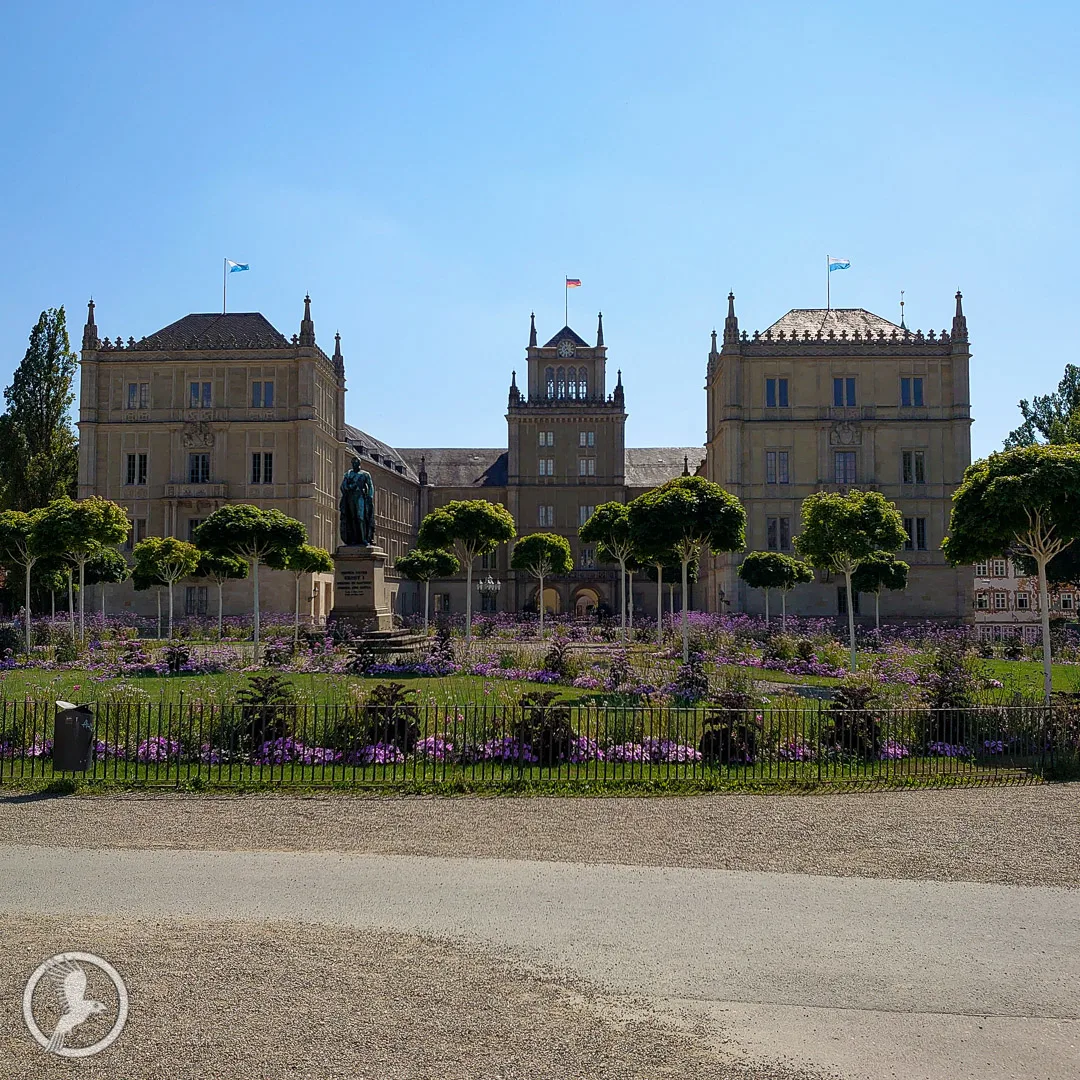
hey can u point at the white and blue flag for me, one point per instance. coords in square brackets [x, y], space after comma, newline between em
[834, 264]
[235, 266]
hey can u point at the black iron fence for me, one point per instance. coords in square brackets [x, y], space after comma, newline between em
[392, 743]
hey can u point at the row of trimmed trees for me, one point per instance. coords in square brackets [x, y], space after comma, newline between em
[73, 543]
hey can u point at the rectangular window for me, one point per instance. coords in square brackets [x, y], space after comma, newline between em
[442, 603]
[144, 395]
[1066, 601]
[770, 466]
[199, 395]
[547, 516]
[262, 395]
[586, 466]
[1023, 601]
[841, 601]
[781, 393]
[982, 569]
[776, 393]
[195, 600]
[1001, 601]
[588, 558]
[192, 525]
[138, 532]
[198, 468]
[982, 601]
[586, 438]
[546, 467]
[770, 393]
[776, 467]
[584, 513]
[547, 438]
[778, 533]
[911, 391]
[843, 392]
[490, 561]
[913, 466]
[844, 466]
[132, 395]
[915, 527]
[999, 568]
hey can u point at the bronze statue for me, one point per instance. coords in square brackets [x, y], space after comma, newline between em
[357, 507]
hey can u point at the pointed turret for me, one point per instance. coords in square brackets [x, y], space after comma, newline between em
[339, 360]
[713, 350]
[600, 330]
[532, 330]
[515, 393]
[618, 397]
[959, 323]
[731, 323]
[307, 327]
[89, 334]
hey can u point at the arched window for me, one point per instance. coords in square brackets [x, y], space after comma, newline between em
[560, 383]
[582, 383]
[571, 382]
[549, 378]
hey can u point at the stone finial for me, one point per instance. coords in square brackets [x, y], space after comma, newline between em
[515, 393]
[307, 327]
[959, 323]
[89, 334]
[422, 474]
[338, 359]
[617, 397]
[712, 349]
[731, 323]
[686, 465]
[532, 330]
[600, 330]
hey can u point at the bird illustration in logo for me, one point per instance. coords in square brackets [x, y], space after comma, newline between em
[69, 980]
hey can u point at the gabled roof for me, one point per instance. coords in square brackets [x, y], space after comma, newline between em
[650, 466]
[566, 332]
[800, 320]
[460, 467]
[237, 330]
[367, 447]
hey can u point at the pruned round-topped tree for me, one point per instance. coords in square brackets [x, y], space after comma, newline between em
[687, 516]
[541, 554]
[609, 529]
[423, 564]
[1025, 500]
[880, 571]
[769, 570]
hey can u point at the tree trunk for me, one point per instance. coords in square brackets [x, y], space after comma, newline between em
[82, 600]
[783, 611]
[219, 607]
[877, 610]
[659, 605]
[103, 607]
[255, 591]
[541, 576]
[685, 622]
[671, 600]
[171, 583]
[630, 601]
[850, 617]
[766, 609]
[52, 603]
[622, 595]
[468, 602]
[26, 606]
[427, 597]
[1044, 600]
[71, 608]
[296, 615]
[157, 593]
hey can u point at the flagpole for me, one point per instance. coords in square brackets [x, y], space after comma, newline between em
[828, 286]
[566, 300]
[224, 278]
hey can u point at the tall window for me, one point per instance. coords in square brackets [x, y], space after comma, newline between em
[776, 393]
[490, 561]
[138, 532]
[844, 466]
[546, 516]
[982, 569]
[586, 438]
[841, 601]
[586, 466]
[588, 558]
[199, 395]
[560, 382]
[843, 392]
[192, 525]
[778, 533]
[911, 392]
[549, 381]
[136, 469]
[999, 567]
[262, 468]
[195, 600]
[138, 395]
[262, 395]
[776, 467]
[546, 467]
[547, 438]
[582, 383]
[913, 466]
[915, 527]
[198, 468]
[584, 513]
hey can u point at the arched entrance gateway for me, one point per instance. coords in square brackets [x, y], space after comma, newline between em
[586, 602]
[552, 601]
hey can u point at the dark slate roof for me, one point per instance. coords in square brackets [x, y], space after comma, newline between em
[566, 332]
[237, 330]
[460, 468]
[650, 466]
[799, 320]
[372, 450]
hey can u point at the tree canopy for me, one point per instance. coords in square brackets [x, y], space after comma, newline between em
[541, 554]
[20, 549]
[39, 452]
[305, 559]
[881, 571]
[166, 559]
[1050, 417]
[1025, 500]
[423, 564]
[609, 529]
[773, 570]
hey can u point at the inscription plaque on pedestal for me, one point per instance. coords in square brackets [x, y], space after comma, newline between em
[360, 588]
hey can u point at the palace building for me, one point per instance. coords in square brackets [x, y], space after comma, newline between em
[219, 408]
[831, 400]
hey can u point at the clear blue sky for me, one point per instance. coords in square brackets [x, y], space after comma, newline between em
[430, 171]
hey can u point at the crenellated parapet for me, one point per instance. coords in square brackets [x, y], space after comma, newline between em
[842, 343]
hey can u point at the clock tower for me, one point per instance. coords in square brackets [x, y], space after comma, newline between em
[566, 454]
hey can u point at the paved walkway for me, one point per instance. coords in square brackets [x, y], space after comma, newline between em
[876, 978]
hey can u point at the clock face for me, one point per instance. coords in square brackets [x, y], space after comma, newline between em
[566, 348]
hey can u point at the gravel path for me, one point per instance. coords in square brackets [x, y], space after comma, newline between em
[247, 1002]
[1004, 835]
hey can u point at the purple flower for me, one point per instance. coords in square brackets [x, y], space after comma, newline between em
[627, 751]
[796, 750]
[375, 754]
[158, 748]
[434, 747]
[105, 750]
[582, 749]
[505, 749]
[892, 750]
[942, 749]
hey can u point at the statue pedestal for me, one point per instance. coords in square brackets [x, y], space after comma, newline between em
[360, 589]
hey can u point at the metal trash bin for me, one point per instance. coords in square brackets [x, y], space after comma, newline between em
[73, 738]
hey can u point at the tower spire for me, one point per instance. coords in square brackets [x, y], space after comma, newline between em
[600, 330]
[731, 323]
[959, 323]
[532, 330]
[515, 393]
[339, 360]
[89, 334]
[307, 327]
